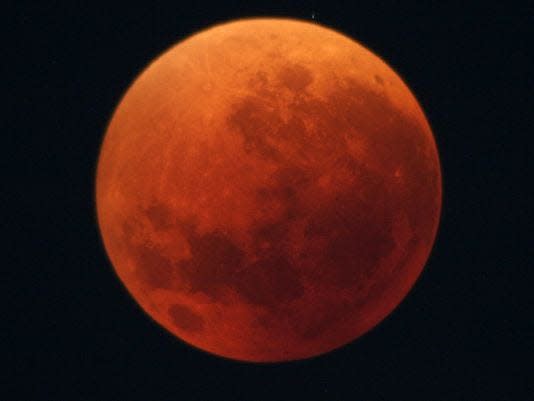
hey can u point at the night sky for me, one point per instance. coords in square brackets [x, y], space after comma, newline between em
[463, 333]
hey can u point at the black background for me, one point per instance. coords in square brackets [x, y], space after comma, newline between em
[74, 333]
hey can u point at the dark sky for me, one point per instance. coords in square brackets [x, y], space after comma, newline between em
[74, 333]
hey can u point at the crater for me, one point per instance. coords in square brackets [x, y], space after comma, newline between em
[185, 319]
[159, 216]
[379, 80]
[295, 77]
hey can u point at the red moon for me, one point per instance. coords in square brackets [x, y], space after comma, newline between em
[268, 190]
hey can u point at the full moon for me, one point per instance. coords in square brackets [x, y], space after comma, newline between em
[268, 190]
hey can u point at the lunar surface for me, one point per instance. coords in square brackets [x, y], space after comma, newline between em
[268, 190]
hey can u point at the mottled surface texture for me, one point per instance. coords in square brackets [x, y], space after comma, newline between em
[268, 190]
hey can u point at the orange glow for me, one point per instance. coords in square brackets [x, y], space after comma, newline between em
[268, 189]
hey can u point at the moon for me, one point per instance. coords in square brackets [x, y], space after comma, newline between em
[268, 190]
